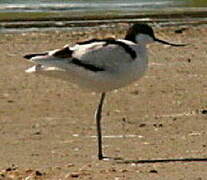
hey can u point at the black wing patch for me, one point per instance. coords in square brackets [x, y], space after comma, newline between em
[29, 56]
[86, 66]
[63, 53]
[95, 40]
[107, 41]
[127, 48]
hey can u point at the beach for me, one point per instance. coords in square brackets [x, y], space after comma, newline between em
[47, 128]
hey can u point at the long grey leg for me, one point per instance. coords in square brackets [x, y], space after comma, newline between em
[98, 117]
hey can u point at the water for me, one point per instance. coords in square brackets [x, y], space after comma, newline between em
[95, 5]
[84, 5]
[44, 14]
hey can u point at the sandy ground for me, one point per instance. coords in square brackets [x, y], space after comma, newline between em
[47, 128]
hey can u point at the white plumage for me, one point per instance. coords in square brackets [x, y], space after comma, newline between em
[119, 67]
[100, 65]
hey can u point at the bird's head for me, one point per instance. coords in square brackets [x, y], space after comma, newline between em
[144, 34]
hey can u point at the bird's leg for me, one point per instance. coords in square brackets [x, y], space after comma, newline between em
[98, 115]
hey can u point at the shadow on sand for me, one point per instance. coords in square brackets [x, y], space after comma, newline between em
[122, 161]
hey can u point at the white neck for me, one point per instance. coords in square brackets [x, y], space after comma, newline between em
[144, 39]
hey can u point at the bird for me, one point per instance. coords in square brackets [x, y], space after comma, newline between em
[100, 65]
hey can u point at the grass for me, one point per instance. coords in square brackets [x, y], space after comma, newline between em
[96, 15]
[24, 16]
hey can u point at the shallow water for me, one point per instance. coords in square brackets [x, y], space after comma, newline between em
[95, 5]
[84, 5]
[46, 15]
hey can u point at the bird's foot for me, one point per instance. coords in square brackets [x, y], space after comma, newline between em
[106, 158]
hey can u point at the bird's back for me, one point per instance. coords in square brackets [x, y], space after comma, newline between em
[97, 66]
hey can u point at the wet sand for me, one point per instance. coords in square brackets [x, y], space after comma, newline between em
[47, 128]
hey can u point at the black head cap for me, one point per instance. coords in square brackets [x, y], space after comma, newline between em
[139, 29]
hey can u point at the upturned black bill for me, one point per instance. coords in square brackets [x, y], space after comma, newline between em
[167, 43]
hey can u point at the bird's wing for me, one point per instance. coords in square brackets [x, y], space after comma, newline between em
[94, 55]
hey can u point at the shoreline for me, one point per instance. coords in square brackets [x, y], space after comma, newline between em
[41, 21]
[45, 122]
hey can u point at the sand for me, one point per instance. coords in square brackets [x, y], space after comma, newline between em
[47, 130]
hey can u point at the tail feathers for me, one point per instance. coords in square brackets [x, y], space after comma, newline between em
[30, 56]
[57, 53]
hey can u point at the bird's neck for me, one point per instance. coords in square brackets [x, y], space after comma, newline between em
[143, 39]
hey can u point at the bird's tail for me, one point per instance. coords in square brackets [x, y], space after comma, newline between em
[31, 56]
